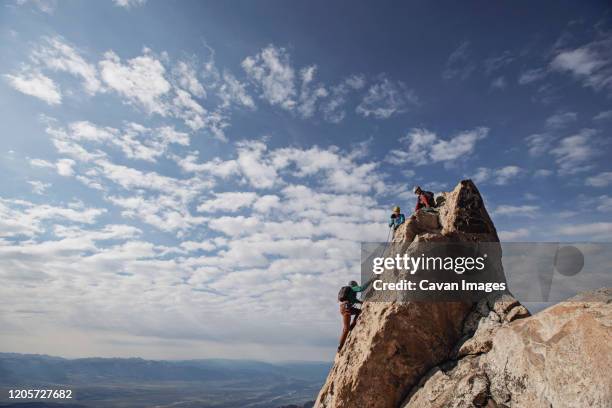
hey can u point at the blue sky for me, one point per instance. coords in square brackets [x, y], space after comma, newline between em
[193, 179]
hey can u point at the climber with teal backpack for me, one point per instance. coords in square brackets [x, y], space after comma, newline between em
[347, 298]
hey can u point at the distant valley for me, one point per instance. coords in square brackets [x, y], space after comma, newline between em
[134, 382]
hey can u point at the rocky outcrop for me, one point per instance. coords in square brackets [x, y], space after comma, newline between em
[560, 357]
[459, 382]
[488, 354]
[395, 343]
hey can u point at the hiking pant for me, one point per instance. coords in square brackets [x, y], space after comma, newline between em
[346, 311]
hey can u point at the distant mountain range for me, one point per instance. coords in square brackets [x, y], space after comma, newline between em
[135, 382]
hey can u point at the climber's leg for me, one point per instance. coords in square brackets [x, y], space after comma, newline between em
[346, 323]
[356, 312]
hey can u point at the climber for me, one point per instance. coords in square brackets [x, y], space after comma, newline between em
[347, 298]
[425, 199]
[397, 218]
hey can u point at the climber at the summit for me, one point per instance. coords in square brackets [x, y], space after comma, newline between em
[425, 199]
[397, 218]
[347, 298]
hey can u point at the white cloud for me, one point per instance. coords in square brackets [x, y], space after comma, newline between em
[517, 210]
[603, 179]
[460, 145]
[532, 75]
[459, 64]
[165, 212]
[309, 95]
[134, 140]
[39, 187]
[215, 167]
[33, 83]
[481, 175]
[573, 153]
[186, 108]
[187, 78]
[87, 131]
[604, 204]
[141, 80]
[593, 230]
[19, 217]
[234, 91]
[591, 63]
[139, 142]
[271, 70]
[259, 171]
[605, 115]
[542, 173]
[266, 203]
[68, 144]
[500, 176]
[144, 82]
[64, 167]
[41, 163]
[156, 199]
[420, 142]
[425, 147]
[514, 235]
[228, 202]
[127, 4]
[235, 226]
[55, 54]
[493, 64]
[539, 144]
[46, 6]
[341, 172]
[581, 61]
[130, 178]
[333, 107]
[505, 174]
[192, 246]
[560, 120]
[387, 98]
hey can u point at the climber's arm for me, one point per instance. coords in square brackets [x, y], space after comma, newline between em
[362, 287]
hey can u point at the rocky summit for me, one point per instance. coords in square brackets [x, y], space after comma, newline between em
[492, 353]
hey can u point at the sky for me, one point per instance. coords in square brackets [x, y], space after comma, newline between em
[193, 179]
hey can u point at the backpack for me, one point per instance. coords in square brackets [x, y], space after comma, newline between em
[344, 294]
[430, 197]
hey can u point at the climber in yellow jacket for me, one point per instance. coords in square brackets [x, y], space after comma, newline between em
[397, 218]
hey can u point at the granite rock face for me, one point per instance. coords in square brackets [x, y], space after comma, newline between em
[395, 343]
[486, 354]
[560, 357]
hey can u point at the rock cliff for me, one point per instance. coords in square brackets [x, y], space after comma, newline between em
[458, 354]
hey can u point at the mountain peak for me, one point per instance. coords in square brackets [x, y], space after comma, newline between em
[449, 354]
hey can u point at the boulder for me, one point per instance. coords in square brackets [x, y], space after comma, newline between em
[560, 357]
